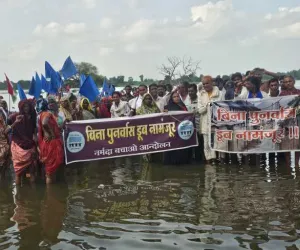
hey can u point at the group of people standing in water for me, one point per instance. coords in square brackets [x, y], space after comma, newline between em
[32, 138]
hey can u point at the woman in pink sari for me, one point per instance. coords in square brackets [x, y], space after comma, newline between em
[23, 145]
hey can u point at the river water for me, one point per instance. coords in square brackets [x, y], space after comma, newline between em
[128, 204]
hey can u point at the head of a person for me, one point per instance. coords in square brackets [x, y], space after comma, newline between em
[1, 97]
[229, 85]
[183, 88]
[148, 100]
[3, 104]
[143, 89]
[258, 73]
[169, 87]
[26, 107]
[116, 96]
[193, 91]
[253, 84]
[288, 82]
[175, 98]
[73, 100]
[161, 90]
[65, 102]
[41, 105]
[219, 83]
[85, 104]
[207, 82]
[52, 103]
[153, 90]
[236, 77]
[128, 90]
[274, 85]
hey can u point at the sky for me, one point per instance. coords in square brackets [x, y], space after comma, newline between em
[134, 37]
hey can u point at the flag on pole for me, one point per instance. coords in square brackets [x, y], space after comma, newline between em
[54, 83]
[89, 89]
[35, 87]
[48, 70]
[45, 84]
[82, 79]
[111, 90]
[69, 69]
[21, 92]
[105, 88]
[10, 88]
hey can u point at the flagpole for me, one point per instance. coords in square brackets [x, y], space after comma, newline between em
[9, 104]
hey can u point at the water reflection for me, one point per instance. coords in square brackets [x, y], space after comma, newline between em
[130, 204]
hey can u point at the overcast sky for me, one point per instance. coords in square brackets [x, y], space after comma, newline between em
[133, 37]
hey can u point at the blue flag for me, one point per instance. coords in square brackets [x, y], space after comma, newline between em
[69, 69]
[105, 89]
[35, 88]
[45, 84]
[89, 89]
[54, 83]
[82, 79]
[111, 90]
[21, 92]
[48, 70]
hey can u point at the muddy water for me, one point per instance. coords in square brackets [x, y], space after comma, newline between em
[126, 204]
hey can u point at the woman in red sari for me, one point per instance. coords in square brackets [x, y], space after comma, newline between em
[50, 142]
[23, 145]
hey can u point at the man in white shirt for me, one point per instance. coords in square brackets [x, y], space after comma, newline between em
[136, 102]
[183, 92]
[160, 101]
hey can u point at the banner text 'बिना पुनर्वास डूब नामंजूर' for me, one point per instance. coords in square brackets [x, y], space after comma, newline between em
[255, 125]
[119, 137]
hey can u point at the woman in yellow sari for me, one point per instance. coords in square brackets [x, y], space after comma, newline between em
[87, 111]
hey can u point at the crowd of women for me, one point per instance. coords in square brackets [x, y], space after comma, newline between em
[32, 138]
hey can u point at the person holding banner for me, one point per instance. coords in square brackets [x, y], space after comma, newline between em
[87, 111]
[208, 94]
[50, 142]
[183, 156]
[4, 146]
[118, 108]
[148, 106]
[253, 86]
[23, 145]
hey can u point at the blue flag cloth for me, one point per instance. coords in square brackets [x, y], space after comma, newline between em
[21, 92]
[35, 88]
[105, 88]
[82, 79]
[89, 89]
[111, 90]
[69, 69]
[48, 70]
[54, 83]
[45, 84]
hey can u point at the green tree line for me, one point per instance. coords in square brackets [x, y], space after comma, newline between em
[120, 81]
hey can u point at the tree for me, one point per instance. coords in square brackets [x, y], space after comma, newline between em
[189, 67]
[86, 68]
[130, 79]
[184, 68]
[120, 79]
[142, 78]
[169, 70]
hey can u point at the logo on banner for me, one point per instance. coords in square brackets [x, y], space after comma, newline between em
[186, 130]
[75, 142]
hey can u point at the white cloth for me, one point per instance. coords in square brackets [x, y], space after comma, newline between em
[245, 93]
[208, 152]
[193, 107]
[186, 101]
[119, 111]
[136, 102]
[203, 102]
[160, 102]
